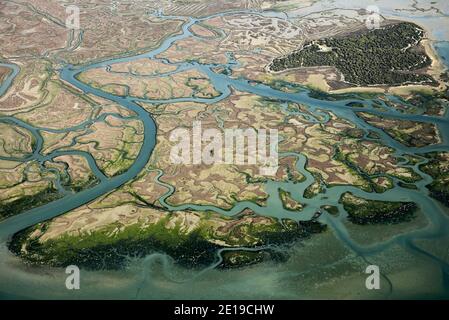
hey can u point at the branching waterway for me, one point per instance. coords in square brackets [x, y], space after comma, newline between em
[437, 226]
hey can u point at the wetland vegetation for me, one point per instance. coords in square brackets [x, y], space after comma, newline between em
[113, 245]
[438, 169]
[364, 211]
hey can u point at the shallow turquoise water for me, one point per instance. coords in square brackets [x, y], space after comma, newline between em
[442, 48]
[9, 78]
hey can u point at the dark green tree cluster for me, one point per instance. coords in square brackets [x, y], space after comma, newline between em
[386, 56]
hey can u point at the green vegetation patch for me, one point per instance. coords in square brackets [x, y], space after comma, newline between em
[438, 169]
[333, 210]
[386, 56]
[80, 185]
[431, 104]
[8, 209]
[364, 211]
[240, 258]
[102, 249]
[243, 258]
[111, 246]
[407, 185]
[288, 202]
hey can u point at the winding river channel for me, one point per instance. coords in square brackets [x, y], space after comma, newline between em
[17, 280]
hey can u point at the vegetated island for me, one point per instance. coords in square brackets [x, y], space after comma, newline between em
[364, 211]
[438, 169]
[389, 56]
[409, 133]
[191, 239]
